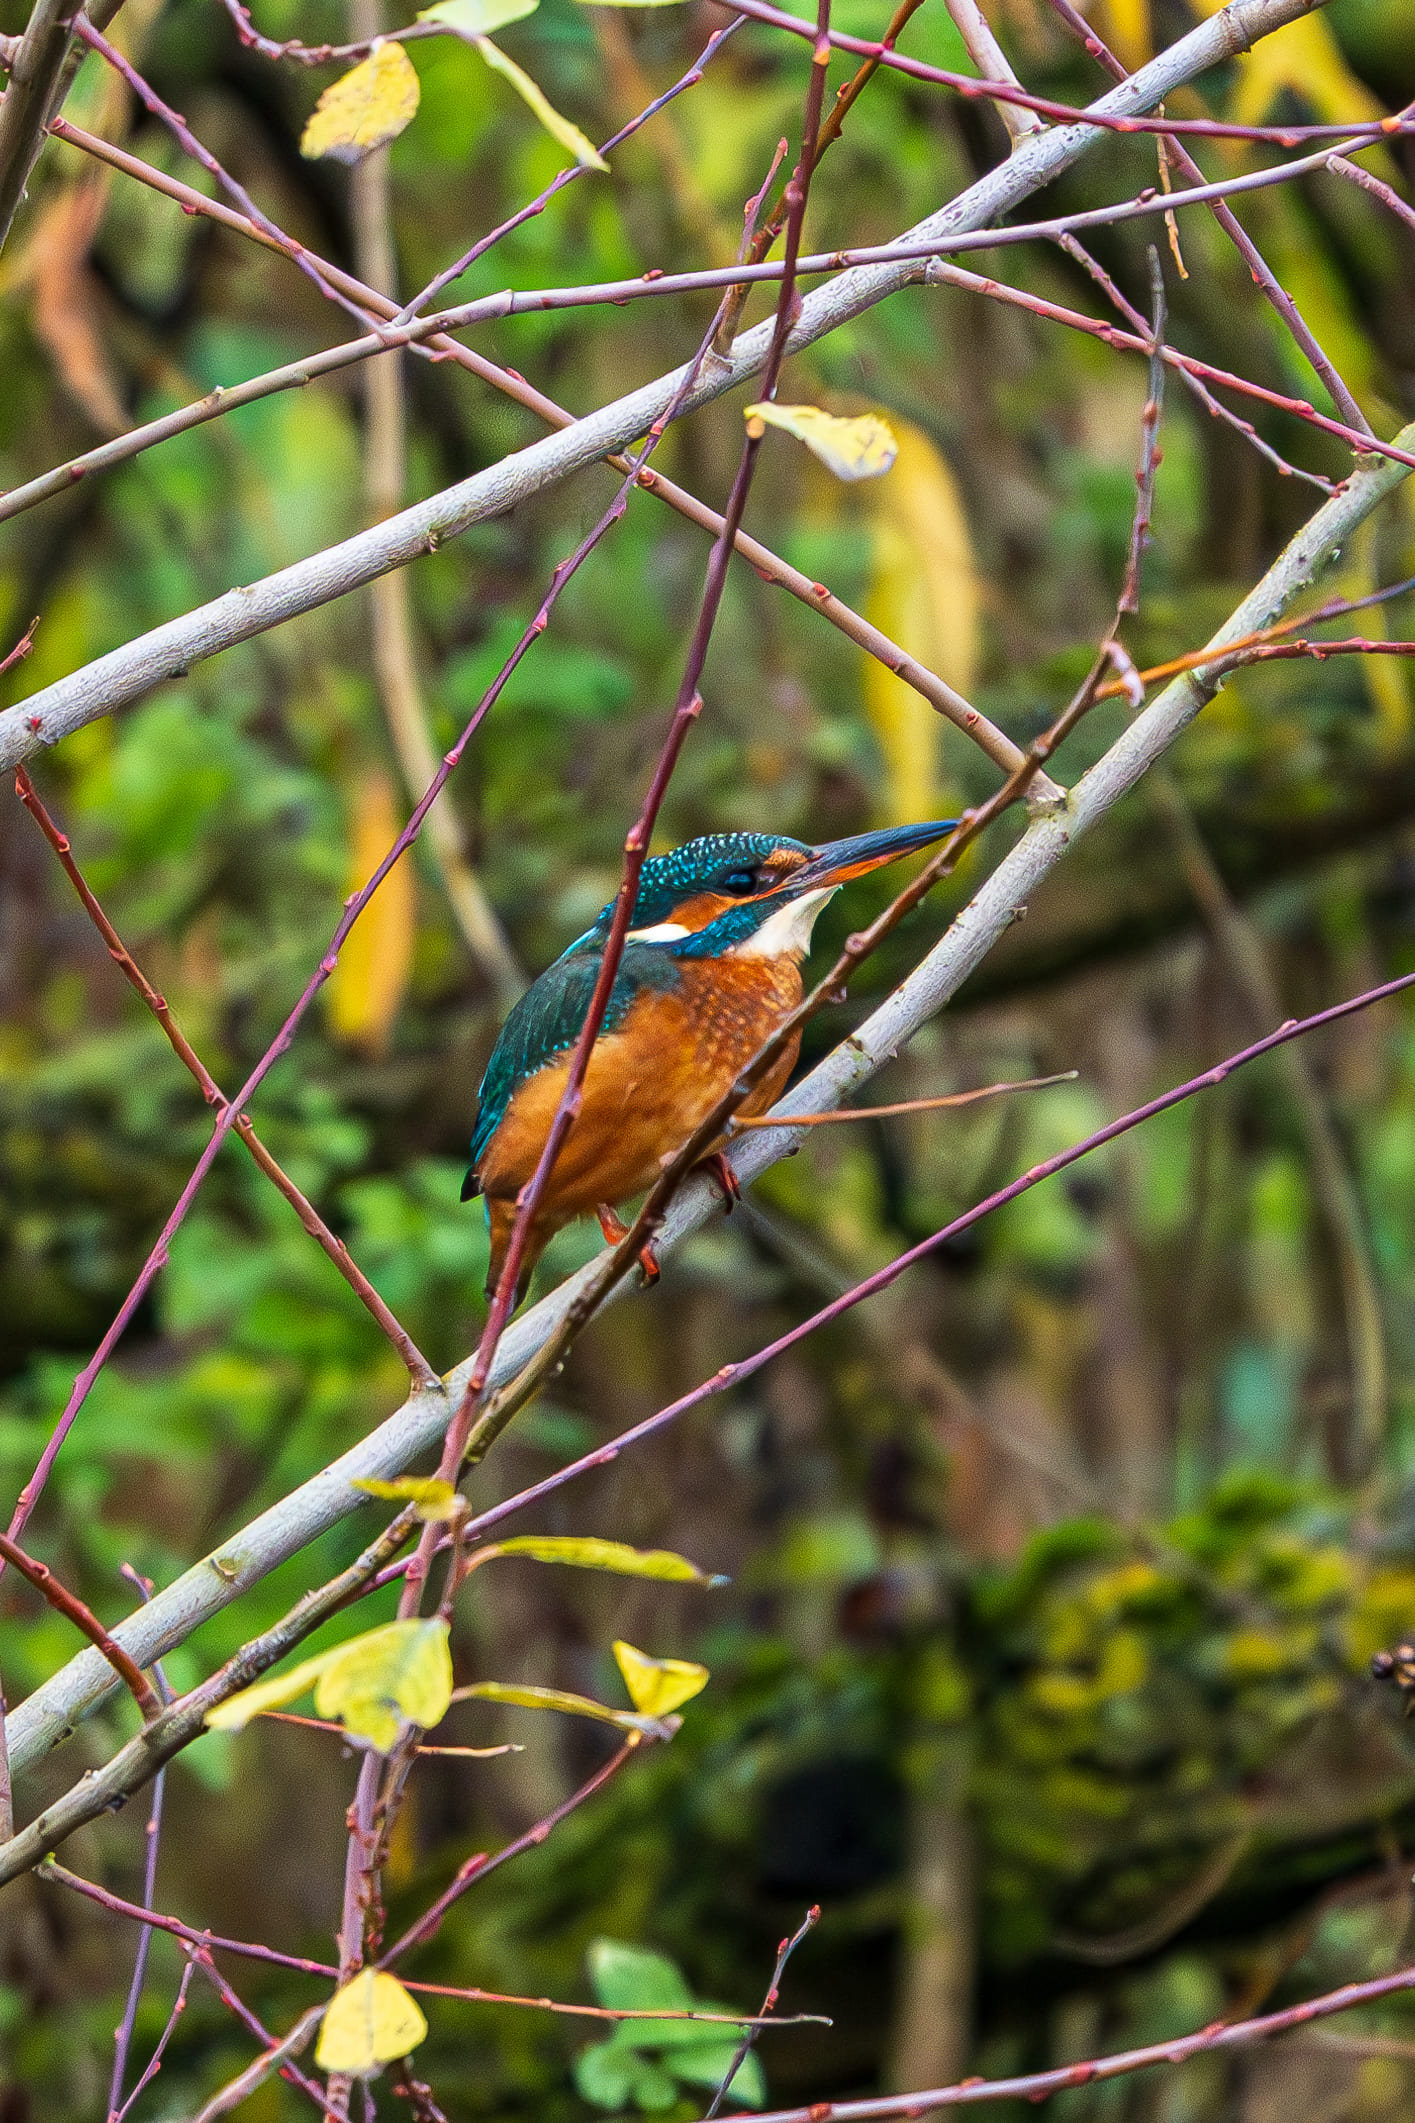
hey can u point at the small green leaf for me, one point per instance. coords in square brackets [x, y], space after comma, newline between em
[528, 1697]
[559, 128]
[370, 2021]
[616, 1556]
[605, 2074]
[653, 2090]
[708, 2066]
[477, 18]
[636, 1979]
[657, 1686]
[436, 1501]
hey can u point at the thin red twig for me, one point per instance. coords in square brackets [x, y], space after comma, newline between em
[608, 2012]
[83, 1618]
[154, 2062]
[971, 86]
[976, 89]
[21, 649]
[908, 1105]
[418, 1366]
[181, 132]
[1301, 408]
[1388, 196]
[477, 1868]
[289, 2070]
[1194, 384]
[732, 1375]
[123, 2035]
[1220, 2035]
[783, 1954]
[1149, 448]
[246, 1949]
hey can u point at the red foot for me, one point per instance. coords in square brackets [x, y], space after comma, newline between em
[615, 1229]
[716, 1168]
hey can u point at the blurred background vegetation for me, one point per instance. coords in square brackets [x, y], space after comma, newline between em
[1055, 1570]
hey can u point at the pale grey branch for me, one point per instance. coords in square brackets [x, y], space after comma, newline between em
[112, 681]
[35, 70]
[50, 1714]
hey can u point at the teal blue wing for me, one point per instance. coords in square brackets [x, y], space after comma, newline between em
[548, 1020]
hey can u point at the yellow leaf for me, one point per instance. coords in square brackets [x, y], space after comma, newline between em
[859, 448]
[401, 1672]
[924, 594]
[657, 1686]
[365, 109]
[436, 1501]
[560, 129]
[370, 2021]
[528, 1697]
[592, 1554]
[366, 988]
[237, 1711]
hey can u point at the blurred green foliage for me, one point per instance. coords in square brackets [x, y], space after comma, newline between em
[1062, 1540]
[646, 2064]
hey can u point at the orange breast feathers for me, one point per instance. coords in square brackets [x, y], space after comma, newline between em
[648, 1085]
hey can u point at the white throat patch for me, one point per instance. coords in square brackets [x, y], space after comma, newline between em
[664, 932]
[787, 932]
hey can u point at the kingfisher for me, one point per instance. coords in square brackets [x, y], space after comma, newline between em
[711, 968]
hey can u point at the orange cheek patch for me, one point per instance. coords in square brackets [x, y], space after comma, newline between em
[701, 911]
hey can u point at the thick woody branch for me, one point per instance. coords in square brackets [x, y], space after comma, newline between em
[35, 71]
[169, 651]
[655, 286]
[993, 64]
[48, 1716]
[939, 694]
[104, 1790]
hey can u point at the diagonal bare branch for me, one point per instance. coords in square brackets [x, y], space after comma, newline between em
[112, 681]
[48, 1716]
[35, 72]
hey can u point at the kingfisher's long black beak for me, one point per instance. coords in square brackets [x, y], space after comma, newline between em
[840, 860]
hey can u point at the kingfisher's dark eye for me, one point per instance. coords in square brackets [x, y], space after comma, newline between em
[740, 883]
